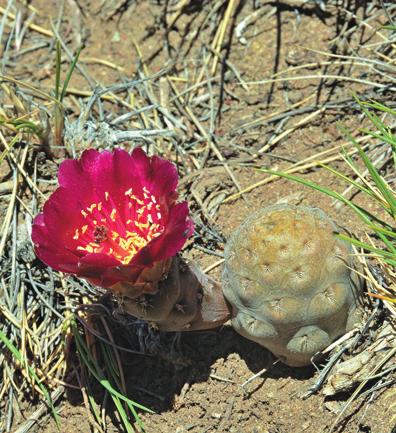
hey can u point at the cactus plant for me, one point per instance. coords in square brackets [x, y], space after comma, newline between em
[115, 221]
[291, 282]
[186, 300]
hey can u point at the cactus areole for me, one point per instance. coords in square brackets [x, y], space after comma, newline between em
[114, 220]
[290, 282]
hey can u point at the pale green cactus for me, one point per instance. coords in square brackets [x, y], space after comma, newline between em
[291, 282]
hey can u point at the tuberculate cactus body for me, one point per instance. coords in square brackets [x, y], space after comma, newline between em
[185, 299]
[290, 282]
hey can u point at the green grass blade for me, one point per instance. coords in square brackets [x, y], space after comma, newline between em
[58, 70]
[95, 370]
[94, 408]
[111, 369]
[122, 413]
[375, 120]
[347, 179]
[18, 356]
[388, 138]
[379, 182]
[11, 145]
[373, 194]
[376, 106]
[361, 213]
[386, 232]
[110, 363]
[365, 216]
[385, 255]
[69, 73]
[137, 417]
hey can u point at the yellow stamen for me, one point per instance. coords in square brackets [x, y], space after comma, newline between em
[123, 245]
[91, 208]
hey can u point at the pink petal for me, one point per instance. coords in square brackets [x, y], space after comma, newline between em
[60, 260]
[94, 266]
[105, 271]
[179, 227]
[50, 251]
[157, 174]
[62, 214]
[90, 176]
[164, 177]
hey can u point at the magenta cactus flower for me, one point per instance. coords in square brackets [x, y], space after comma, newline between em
[115, 221]
[113, 216]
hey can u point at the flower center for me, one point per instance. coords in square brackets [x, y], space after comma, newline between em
[100, 234]
[120, 231]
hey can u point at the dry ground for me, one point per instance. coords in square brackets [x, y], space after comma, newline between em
[252, 124]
